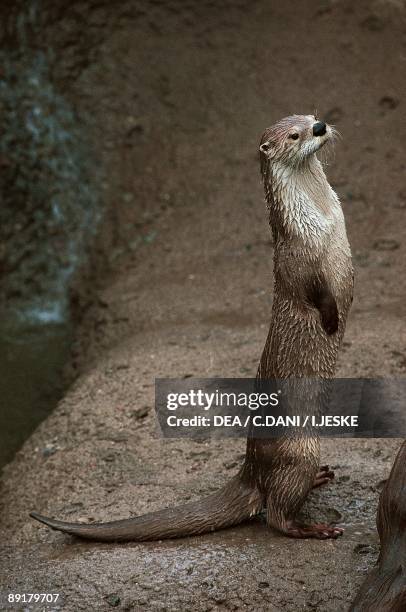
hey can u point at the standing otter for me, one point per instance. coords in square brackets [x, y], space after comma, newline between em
[313, 293]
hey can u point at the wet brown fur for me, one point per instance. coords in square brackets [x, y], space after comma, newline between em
[384, 590]
[312, 296]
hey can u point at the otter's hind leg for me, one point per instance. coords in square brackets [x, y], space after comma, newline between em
[277, 518]
[287, 488]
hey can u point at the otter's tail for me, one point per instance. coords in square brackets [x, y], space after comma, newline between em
[231, 505]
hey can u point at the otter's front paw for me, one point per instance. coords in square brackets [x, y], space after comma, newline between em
[329, 316]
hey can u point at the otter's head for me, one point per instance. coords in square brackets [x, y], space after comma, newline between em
[293, 140]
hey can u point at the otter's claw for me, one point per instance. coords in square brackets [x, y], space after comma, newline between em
[319, 531]
[323, 476]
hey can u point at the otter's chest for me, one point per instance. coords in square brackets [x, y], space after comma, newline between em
[299, 260]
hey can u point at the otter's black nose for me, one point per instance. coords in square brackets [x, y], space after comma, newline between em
[319, 128]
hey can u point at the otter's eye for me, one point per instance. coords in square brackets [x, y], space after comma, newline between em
[294, 136]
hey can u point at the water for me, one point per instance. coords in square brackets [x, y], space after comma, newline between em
[31, 382]
[49, 211]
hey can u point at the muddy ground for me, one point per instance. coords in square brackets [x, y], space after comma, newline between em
[179, 94]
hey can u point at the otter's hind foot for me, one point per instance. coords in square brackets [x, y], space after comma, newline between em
[320, 531]
[323, 476]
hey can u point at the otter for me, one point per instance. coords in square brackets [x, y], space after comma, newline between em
[313, 285]
[384, 590]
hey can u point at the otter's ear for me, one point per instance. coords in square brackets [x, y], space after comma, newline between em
[265, 147]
